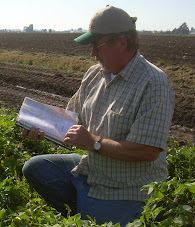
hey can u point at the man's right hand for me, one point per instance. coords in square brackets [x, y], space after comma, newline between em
[34, 134]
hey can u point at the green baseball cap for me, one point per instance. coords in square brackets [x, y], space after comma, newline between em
[106, 21]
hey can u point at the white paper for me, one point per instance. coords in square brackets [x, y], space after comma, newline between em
[54, 121]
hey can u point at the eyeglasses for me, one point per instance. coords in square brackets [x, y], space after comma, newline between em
[96, 48]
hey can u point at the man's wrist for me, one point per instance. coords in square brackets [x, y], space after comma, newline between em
[98, 144]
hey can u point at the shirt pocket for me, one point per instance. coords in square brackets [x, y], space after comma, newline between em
[118, 123]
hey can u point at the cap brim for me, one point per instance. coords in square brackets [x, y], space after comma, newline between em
[88, 38]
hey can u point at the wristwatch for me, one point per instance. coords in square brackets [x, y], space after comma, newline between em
[98, 145]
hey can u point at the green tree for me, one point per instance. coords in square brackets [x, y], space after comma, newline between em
[182, 30]
[28, 28]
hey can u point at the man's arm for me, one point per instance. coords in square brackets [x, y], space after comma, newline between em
[129, 151]
[122, 150]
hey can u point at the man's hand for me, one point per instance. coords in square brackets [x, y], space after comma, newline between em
[33, 133]
[78, 136]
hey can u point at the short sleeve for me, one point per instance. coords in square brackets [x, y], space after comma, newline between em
[151, 126]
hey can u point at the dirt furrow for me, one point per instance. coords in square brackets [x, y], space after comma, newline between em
[56, 82]
[12, 97]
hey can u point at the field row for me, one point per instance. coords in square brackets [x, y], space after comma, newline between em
[164, 48]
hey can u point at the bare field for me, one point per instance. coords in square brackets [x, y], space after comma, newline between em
[174, 54]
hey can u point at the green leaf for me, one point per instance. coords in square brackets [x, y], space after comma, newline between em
[142, 219]
[151, 187]
[136, 223]
[181, 220]
[158, 194]
[90, 218]
[77, 217]
[157, 211]
[167, 222]
[2, 214]
[191, 187]
[185, 208]
[180, 209]
[79, 223]
[24, 216]
[180, 190]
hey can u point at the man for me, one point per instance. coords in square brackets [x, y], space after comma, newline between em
[125, 106]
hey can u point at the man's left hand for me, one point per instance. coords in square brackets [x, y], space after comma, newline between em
[78, 136]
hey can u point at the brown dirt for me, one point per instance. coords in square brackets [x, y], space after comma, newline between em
[174, 54]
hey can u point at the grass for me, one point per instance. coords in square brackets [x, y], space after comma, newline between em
[54, 61]
[182, 78]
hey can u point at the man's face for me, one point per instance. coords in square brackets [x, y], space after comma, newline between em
[108, 55]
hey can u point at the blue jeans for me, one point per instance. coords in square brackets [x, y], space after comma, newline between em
[52, 179]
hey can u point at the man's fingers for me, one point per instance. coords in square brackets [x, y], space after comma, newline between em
[33, 133]
[25, 133]
[42, 135]
[67, 140]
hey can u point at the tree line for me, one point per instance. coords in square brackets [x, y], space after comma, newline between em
[181, 30]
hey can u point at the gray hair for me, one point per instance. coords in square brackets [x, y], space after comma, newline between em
[131, 36]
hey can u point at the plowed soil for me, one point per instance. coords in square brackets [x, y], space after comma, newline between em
[55, 87]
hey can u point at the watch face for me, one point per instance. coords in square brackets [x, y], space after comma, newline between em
[97, 145]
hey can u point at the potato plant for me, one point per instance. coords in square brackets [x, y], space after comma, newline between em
[172, 203]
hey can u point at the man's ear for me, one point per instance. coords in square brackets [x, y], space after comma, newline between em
[122, 42]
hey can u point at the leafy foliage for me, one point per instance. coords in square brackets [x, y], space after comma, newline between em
[172, 203]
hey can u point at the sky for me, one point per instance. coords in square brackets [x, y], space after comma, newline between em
[63, 15]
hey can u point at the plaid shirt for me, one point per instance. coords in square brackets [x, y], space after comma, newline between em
[137, 105]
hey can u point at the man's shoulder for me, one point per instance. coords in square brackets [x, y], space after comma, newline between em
[152, 72]
[92, 72]
[94, 68]
[149, 66]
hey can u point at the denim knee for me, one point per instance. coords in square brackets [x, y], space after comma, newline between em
[28, 168]
[42, 167]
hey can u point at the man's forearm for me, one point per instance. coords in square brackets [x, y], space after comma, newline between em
[129, 151]
[122, 150]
